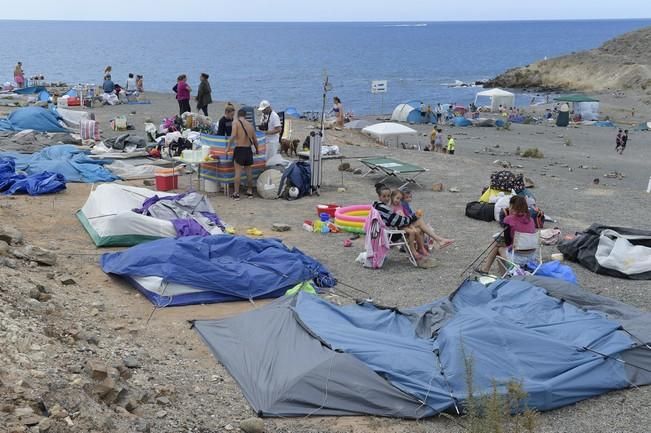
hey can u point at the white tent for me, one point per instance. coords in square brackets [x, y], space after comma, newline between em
[386, 130]
[408, 112]
[497, 97]
[109, 219]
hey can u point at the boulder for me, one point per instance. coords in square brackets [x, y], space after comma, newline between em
[11, 235]
[252, 425]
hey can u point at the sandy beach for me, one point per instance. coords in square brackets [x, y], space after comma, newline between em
[189, 391]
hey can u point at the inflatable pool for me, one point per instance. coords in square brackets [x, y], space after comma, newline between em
[352, 218]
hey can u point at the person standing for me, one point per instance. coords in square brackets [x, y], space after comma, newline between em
[140, 84]
[131, 86]
[624, 141]
[204, 94]
[618, 140]
[225, 125]
[338, 109]
[19, 75]
[182, 89]
[451, 145]
[438, 141]
[271, 127]
[432, 139]
[244, 137]
[438, 110]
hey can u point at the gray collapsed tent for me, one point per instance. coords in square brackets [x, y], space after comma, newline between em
[303, 356]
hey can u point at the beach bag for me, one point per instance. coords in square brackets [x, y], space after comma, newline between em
[555, 269]
[506, 180]
[550, 236]
[480, 211]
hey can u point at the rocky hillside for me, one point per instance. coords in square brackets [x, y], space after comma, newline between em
[622, 63]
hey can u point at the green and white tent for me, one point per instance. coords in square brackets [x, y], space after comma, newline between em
[109, 219]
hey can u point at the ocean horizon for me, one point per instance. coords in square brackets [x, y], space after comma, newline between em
[285, 62]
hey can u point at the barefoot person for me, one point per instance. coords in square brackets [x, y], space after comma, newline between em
[395, 221]
[244, 137]
[19, 75]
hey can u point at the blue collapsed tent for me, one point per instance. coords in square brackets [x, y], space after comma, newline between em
[460, 121]
[304, 356]
[70, 161]
[33, 184]
[29, 90]
[196, 270]
[36, 118]
[292, 112]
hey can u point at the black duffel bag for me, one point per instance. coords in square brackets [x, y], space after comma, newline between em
[481, 211]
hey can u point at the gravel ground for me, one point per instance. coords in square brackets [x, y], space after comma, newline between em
[61, 349]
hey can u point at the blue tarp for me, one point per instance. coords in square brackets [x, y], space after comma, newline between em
[36, 118]
[68, 160]
[216, 268]
[29, 90]
[605, 124]
[510, 330]
[292, 112]
[461, 121]
[34, 184]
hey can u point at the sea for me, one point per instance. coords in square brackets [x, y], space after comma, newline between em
[286, 63]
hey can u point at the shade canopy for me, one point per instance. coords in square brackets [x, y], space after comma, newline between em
[388, 129]
[497, 97]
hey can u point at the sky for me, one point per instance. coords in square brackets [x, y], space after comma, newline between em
[328, 10]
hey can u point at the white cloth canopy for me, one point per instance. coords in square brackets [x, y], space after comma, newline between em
[497, 97]
[388, 129]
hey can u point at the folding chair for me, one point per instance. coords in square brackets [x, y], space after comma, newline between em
[525, 249]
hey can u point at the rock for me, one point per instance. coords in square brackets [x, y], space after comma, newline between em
[143, 426]
[357, 171]
[44, 425]
[131, 362]
[23, 411]
[36, 254]
[8, 262]
[161, 414]
[163, 401]
[280, 227]
[228, 427]
[148, 182]
[437, 187]
[30, 420]
[252, 425]
[67, 280]
[344, 166]
[4, 248]
[131, 405]
[11, 235]
[454, 189]
[97, 369]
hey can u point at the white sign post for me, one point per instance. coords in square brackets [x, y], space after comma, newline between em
[379, 86]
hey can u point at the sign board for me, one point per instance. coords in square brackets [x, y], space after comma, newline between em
[379, 86]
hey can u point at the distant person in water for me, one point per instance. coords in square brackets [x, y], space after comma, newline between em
[19, 75]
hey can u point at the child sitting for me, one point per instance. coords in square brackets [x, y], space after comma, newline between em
[414, 234]
[432, 240]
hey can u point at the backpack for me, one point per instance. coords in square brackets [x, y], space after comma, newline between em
[298, 174]
[505, 180]
[481, 211]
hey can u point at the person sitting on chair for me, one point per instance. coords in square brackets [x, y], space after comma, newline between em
[394, 221]
[414, 235]
[518, 220]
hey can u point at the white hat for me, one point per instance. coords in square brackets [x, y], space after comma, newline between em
[264, 104]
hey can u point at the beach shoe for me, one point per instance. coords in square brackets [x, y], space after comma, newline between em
[230, 230]
[249, 194]
[254, 232]
[235, 196]
[348, 243]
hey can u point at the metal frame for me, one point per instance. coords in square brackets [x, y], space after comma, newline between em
[512, 267]
[400, 175]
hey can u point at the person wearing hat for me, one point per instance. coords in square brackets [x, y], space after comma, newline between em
[271, 127]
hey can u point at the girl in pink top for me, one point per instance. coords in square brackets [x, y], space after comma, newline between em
[518, 220]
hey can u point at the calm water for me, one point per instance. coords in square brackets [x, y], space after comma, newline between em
[285, 62]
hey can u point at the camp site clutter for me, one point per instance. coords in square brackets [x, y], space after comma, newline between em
[303, 354]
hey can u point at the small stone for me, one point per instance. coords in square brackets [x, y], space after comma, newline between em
[68, 421]
[8, 262]
[161, 414]
[97, 369]
[142, 426]
[67, 280]
[454, 189]
[44, 425]
[279, 227]
[228, 427]
[252, 425]
[437, 187]
[357, 171]
[131, 405]
[148, 182]
[131, 362]
[11, 235]
[23, 411]
[36, 254]
[4, 248]
[344, 166]
[163, 401]
[30, 420]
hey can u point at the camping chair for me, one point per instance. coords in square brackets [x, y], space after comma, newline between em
[526, 248]
[394, 238]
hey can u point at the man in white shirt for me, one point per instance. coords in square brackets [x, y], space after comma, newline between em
[271, 127]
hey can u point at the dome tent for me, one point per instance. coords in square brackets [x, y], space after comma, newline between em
[408, 112]
[497, 97]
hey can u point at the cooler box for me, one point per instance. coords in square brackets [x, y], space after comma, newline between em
[166, 179]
